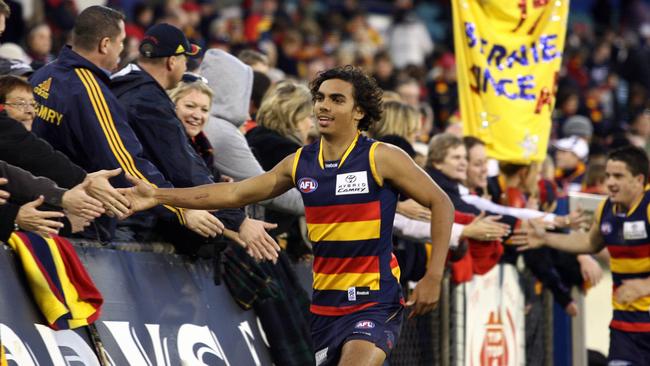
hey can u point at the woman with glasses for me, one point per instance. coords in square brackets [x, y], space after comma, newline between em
[17, 100]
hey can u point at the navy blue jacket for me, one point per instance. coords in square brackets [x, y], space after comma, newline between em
[79, 116]
[152, 116]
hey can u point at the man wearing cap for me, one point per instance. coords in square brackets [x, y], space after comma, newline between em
[79, 116]
[569, 159]
[141, 91]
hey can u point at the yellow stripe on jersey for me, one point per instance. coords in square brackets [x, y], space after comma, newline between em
[642, 304]
[629, 265]
[344, 281]
[344, 231]
[373, 165]
[599, 211]
[397, 272]
[296, 158]
[108, 127]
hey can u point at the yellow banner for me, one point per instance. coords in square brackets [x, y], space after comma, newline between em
[508, 55]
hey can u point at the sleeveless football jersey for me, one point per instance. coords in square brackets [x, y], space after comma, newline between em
[350, 223]
[626, 237]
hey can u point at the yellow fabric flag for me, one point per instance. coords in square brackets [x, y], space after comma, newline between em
[508, 56]
[3, 356]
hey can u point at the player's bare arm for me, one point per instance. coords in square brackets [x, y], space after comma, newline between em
[397, 168]
[213, 196]
[578, 242]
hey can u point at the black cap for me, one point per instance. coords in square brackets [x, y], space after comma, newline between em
[164, 40]
[15, 67]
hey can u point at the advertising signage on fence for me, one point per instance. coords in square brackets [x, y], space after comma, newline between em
[494, 329]
[159, 309]
[508, 55]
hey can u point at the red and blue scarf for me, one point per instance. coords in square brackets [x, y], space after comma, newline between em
[62, 289]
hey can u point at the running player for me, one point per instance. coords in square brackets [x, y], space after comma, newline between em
[621, 224]
[349, 185]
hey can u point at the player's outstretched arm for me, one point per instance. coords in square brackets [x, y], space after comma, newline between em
[533, 235]
[143, 196]
[396, 167]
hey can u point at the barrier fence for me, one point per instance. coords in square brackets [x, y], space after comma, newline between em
[163, 309]
[159, 309]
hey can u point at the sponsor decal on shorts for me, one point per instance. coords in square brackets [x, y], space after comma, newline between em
[352, 294]
[390, 339]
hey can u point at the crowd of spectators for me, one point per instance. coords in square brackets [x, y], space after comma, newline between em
[189, 93]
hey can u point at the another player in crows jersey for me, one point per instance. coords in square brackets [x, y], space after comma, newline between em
[349, 185]
[621, 224]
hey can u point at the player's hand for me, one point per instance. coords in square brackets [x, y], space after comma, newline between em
[29, 218]
[631, 290]
[100, 188]
[531, 235]
[571, 309]
[203, 223]
[259, 244]
[485, 228]
[77, 202]
[4, 195]
[425, 296]
[590, 269]
[140, 196]
[413, 210]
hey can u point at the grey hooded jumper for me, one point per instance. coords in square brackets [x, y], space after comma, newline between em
[232, 83]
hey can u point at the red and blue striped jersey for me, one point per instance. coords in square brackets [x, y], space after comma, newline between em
[350, 223]
[626, 237]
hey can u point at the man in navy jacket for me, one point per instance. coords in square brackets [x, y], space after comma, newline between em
[79, 116]
[141, 90]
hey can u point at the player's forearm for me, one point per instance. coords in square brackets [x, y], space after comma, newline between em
[576, 242]
[205, 197]
[442, 218]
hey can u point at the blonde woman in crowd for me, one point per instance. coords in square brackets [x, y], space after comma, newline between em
[283, 123]
[398, 119]
[193, 98]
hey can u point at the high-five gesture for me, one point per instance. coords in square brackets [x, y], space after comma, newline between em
[98, 186]
[140, 196]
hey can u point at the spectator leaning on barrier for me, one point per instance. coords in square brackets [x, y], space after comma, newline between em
[346, 101]
[80, 116]
[24, 150]
[621, 225]
[141, 90]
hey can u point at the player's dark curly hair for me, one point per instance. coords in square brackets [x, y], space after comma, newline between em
[367, 95]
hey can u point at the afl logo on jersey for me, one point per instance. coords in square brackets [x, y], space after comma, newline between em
[307, 185]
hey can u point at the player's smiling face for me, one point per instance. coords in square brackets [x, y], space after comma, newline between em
[334, 107]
